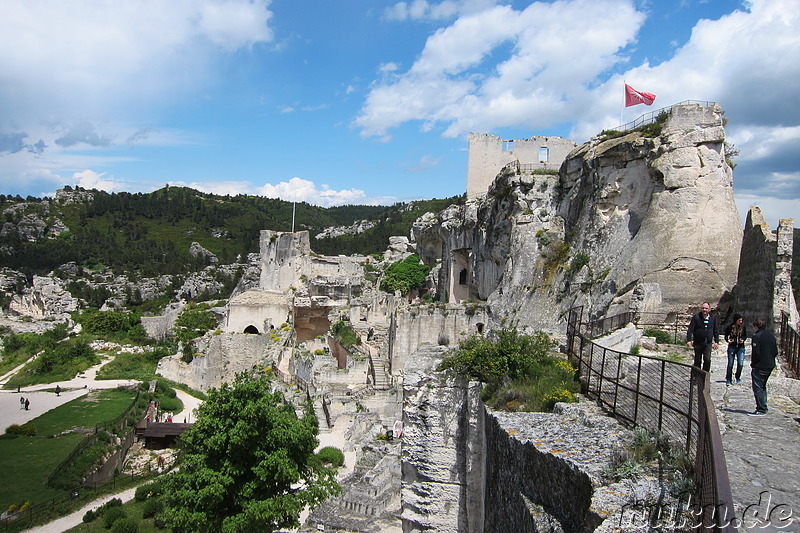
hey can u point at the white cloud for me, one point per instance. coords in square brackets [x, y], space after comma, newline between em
[773, 209]
[423, 10]
[556, 49]
[300, 190]
[73, 60]
[88, 179]
[744, 61]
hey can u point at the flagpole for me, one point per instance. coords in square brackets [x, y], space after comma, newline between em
[622, 107]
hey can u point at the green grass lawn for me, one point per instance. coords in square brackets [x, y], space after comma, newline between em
[27, 461]
[29, 375]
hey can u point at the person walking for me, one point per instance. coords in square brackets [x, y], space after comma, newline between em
[762, 363]
[21, 402]
[703, 336]
[735, 335]
[27, 404]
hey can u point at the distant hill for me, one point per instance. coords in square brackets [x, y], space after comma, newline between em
[151, 233]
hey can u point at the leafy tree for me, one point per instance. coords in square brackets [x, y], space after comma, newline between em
[345, 334]
[247, 464]
[193, 322]
[405, 275]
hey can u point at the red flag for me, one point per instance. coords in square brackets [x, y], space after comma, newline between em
[634, 97]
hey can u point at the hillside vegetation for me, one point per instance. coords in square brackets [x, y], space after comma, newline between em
[150, 234]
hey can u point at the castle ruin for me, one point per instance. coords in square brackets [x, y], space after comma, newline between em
[488, 154]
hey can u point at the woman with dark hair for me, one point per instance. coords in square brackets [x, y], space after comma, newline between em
[735, 335]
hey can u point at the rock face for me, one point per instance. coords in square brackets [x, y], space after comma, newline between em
[357, 227]
[631, 223]
[195, 250]
[46, 298]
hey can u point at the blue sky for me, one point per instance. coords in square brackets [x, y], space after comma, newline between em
[371, 101]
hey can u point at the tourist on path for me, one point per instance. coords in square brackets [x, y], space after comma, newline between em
[27, 404]
[703, 336]
[22, 402]
[735, 336]
[762, 363]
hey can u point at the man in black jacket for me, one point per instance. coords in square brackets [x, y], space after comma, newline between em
[762, 362]
[703, 335]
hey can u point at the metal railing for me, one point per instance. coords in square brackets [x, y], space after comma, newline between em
[661, 396]
[790, 345]
[652, 116]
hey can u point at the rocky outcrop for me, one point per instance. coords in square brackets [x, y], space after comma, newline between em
[197, 251]
[360, 226]
[47, 298]
[631, 223]
[442, 451]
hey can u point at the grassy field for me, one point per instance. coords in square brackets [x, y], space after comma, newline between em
[27, 461]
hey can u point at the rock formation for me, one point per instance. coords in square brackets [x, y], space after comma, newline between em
[632, 223]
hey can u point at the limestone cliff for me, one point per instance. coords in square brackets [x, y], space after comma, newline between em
[630, 223]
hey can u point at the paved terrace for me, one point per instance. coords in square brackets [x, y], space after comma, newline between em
[762, 453]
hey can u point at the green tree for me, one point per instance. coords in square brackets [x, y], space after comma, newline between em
[193, 322]
[247, 464]
[405, 275]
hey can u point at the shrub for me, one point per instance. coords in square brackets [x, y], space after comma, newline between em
[89, 516]
[578, 262]
[345, 334]
[143, 492]
[111, 515]
[125, 525]
[661, 336]
[29, 430]
[332, 456]
[149, 490]
[504, 352]
[152, 507]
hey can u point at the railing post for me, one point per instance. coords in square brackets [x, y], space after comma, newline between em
[636, 396]
[616, 381]
[661, 396]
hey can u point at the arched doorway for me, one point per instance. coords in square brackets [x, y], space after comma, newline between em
[251, 329]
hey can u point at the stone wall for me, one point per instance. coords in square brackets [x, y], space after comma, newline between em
[442, 455]
[257, 309]
[764, 282]
[468, 469]
[428, 324]
[225, 355]
[488, 154]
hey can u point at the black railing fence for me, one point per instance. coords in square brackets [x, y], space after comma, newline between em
[652, 116]
[661, 396]
[790, 345]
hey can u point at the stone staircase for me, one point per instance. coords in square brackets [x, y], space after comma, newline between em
[375, 345]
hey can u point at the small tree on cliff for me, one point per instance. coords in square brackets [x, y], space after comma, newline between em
[247, 464]
[405, 275]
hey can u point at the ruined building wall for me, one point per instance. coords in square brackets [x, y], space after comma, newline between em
[765, 268]
[426, 324]
[488, 154]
